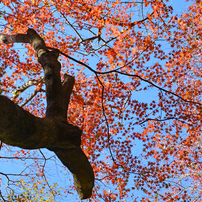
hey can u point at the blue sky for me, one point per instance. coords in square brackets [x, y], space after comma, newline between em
[56, 172]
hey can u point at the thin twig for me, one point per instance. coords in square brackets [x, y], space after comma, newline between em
[126, 74]
[72, 27]
[43, 168]
[2, 197]
[170, 92]
[31, 97]
[25, 86]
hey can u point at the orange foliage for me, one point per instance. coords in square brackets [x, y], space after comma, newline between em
[139, 105]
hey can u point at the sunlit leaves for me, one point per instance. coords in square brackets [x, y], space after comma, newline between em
[154, 136]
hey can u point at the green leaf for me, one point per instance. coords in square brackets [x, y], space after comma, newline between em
[15, 93]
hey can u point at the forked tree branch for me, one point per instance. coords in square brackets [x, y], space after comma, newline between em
[20, 128]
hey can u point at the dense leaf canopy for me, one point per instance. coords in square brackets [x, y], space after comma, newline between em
[136, 98]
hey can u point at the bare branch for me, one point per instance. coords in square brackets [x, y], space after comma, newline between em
[25, 86]
[72, 27]
[2, 197]
[30, 98]
[167, 91]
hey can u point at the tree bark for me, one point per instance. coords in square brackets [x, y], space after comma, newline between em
[20, 128]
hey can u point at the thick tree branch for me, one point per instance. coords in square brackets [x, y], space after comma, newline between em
[67, 85]
[76, 162]
[48, 59]
[20, 128]
[54, 91]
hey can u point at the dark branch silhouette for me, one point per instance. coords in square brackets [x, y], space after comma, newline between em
[20, 128]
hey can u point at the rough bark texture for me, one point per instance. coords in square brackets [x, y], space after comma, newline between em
[20, 128]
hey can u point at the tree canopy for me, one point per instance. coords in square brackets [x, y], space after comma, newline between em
[113, 88]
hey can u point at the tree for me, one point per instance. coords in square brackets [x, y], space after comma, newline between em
[136, 96]
[22, 129]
